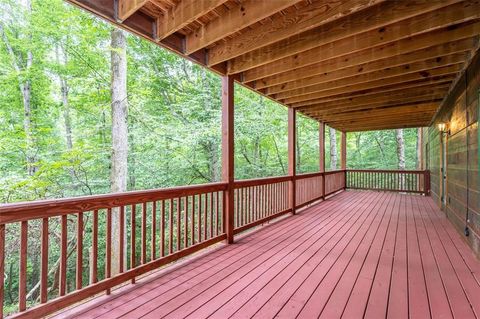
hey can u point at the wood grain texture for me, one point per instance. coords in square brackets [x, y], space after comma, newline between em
[357, 254]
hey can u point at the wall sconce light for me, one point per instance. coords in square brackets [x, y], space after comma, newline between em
[442, 127]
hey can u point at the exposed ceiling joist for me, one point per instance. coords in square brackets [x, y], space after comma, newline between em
[184, 13]
[344, 86]
[399, 34]
[372, 94]
[363, 21]
[362, 62]
[250, 12]
[406, 72]
[288, 25]
[390, 84]
[355, 75]
[429, 96]
[128, 7]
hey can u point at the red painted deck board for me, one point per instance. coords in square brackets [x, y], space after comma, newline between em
[356, 255]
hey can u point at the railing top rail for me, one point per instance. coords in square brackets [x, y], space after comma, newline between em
[387, 171]
[56, 207]
[335, 171]
[308, 175]
[260, 181]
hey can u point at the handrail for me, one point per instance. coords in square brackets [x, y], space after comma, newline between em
[260, 181]
[21, 211]
[407, 181]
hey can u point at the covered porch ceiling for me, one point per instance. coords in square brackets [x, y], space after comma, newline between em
[354, 64]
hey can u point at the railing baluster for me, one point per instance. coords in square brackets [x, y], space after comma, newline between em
[22, 285]
[63, 256]
[143, 258]
[170, 227]
[44, 262]
[154, 231]
[200, 218]
[79, 266]
[185, 225]
[179, 226]
[162, 230]
[211, 215]
[205, 215]
[193, 219]
[217, 212]
[121, 239]
[94, 266]
[133, 250]
[108, 247]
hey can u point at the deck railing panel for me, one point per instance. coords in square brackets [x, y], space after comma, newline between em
[259, 200]
[407, 181]
[155, 227]
[148, 229]
[309, 188]
[334, 181]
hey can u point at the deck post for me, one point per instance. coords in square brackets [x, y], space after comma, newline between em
[228, 173]
[343, 154]
[321, 154]
[292, 156]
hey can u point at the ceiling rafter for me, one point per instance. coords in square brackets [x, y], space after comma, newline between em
[184, 13]
[404, 30]
[236, 19]
[351, 25]
[285, 26]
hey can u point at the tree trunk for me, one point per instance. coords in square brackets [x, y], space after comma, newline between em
[419, 149]
[118, 174]
[333, 149]
[26, 91]
[64, 90]
[400, 149]
[400, 154]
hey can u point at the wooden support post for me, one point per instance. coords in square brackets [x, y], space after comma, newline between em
[292, 156]
[343, 154]
[321, 154]
[228, 174]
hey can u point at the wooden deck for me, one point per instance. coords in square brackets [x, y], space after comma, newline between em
[359, 254]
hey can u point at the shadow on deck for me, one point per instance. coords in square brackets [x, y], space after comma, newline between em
[359, 254]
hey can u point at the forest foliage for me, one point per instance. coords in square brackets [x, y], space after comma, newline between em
[174, 114]
[61, 147]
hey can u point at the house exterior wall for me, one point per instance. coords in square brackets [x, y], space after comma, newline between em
[462, 191]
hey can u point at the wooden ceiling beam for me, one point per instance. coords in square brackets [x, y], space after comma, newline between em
[351, 25]
[285, 26]
[128, 7]
[365, 96]
[382, 112]
[401, 36]
[347, 108]
[405, 81]
[389, 76]
[353, 76]
[435, 96]
[184, 13]
[377, 127]
[377, 121]
[234, 20]
[342, 67]
[346, 86]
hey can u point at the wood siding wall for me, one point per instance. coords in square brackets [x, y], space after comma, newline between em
[461, 112]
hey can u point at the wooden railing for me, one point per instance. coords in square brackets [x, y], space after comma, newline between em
[406, 181]
[314, 186]
[155, 227]
[145, 230]
[259, 200]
